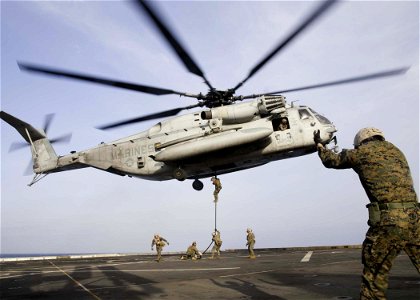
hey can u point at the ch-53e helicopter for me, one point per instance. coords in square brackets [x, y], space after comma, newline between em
[222, 137]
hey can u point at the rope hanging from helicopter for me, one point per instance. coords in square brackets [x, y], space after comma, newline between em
[217, 187]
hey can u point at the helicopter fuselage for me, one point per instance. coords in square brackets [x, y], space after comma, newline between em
[211, 142]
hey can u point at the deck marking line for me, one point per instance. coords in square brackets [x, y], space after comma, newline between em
[251, 273]
[307, 257]
[31, 273]
[342, 262]
[171, 270]
[75, 281]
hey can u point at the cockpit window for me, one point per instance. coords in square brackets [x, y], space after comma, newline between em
[321, 118]
[304, 114]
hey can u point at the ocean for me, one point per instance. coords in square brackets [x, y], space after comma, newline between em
[16, 255]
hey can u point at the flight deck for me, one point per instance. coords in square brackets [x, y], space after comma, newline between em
[295, 274]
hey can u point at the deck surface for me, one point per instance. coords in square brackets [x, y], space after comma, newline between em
[275, 274]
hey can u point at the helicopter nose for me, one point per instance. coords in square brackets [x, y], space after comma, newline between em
[331, 129]
[328, 132]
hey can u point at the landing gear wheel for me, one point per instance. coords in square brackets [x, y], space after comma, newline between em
[179, 174]
[197, 185]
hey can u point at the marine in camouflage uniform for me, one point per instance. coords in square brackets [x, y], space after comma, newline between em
[394, 213]
[160, 243]
[217, 187]
[192, 252]
[250, 242]
[215, 251]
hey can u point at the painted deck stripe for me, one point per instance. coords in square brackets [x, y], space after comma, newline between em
[32, 273]
[251, 273]
[77, 282]
[307, 257]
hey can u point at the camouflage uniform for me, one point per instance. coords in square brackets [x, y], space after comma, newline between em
[394, 214]
[217, 187]
[217, 244]
[192, 252]
[160, 243]
[250, 242]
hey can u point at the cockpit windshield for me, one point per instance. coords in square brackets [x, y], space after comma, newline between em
[304, 114]
[321, 118]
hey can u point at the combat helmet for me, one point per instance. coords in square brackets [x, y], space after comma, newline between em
[366, 133]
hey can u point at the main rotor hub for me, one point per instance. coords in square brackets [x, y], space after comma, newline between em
[216, 98]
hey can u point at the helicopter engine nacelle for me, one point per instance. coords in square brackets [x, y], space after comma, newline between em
[233, 114]
[245, 112]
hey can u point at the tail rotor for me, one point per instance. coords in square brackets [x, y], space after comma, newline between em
[47, 122]
[32, 138]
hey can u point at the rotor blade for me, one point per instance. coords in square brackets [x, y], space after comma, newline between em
[17, 145]
[173, 41]
[62, 139]
[162, 114]
[47, 122]
[99, 80]
[344, 81]
[311, 18]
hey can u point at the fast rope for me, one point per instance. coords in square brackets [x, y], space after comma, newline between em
[217, 190]
[215, 227]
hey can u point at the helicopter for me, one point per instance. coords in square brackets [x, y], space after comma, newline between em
[225, 135]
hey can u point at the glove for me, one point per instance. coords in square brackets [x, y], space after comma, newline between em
[152, 248]
[317, 137]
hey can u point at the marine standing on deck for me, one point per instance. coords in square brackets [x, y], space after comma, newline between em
[217, 244]
[250, 242]
[160, 243]
[217, 187]
[394, 213]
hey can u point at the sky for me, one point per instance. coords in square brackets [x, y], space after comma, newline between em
[289, 203]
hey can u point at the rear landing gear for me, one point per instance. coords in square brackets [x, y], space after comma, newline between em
[197, 185]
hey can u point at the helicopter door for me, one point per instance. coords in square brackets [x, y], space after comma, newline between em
[281, 124]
